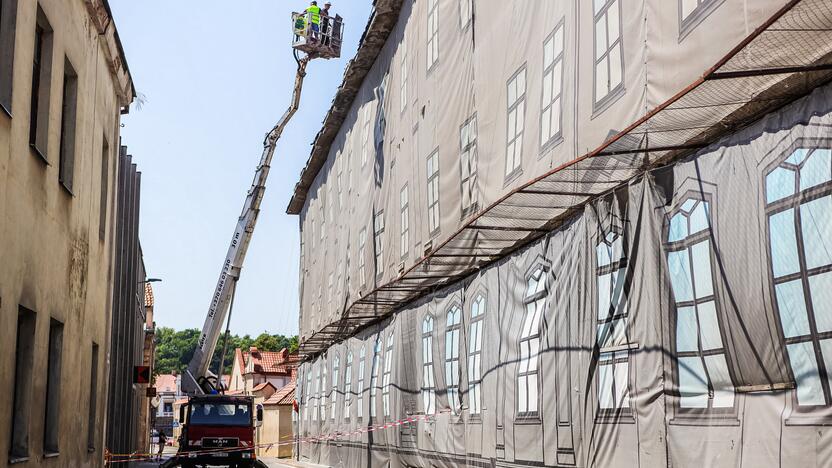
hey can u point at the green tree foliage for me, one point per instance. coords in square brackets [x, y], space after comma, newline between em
[174, 349]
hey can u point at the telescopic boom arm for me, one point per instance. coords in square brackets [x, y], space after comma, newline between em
[197, 378]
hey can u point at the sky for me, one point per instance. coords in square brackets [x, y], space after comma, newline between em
[214, 79]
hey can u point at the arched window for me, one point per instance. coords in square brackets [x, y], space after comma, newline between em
[333, 397]
[799, 214]
[527, 378]
[374, 377]
[702, 370]
[475, 355]
[452, 326]
[428, 382]
[361, 358]
[347, 386]
[322, 388]
[385, 380]
[613, 362]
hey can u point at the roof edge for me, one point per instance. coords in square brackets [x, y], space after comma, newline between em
[382, 20]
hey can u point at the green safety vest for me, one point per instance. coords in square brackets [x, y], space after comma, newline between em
[315, 12]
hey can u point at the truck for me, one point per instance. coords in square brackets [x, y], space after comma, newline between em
[219, 429]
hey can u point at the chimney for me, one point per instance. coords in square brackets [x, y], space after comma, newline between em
[284, 354]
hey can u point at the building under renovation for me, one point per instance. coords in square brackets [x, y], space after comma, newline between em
[586, 233]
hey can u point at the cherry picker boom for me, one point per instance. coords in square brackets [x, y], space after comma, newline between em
[312, 44]
[219, 429]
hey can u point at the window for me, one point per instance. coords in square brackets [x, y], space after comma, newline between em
[403, 79]
[365, 138]
[333, 397]
[374, 377]
[322, 390]
[433, 30]
[361, 359]
[105, 181]
[378, 238]
[613, 363]
[41, 85]
[703, 373]
[53, 388]
[348, 386]
[433, 193]
[799, 211]
[308, 393]
[516, 122]
[67, 156]
[323, 219]
[385, 379]
[475, 355]
[320, 382]
[550, 116]
[452, 357]
[21, 408]
[527, 379]
[340, 180]
[428, 382]
[329, 293]
[609, 63]
[404, 208]
[692, 12]
[362, 254]
[93, 399]
[468, 165]
[8, 14]
[466, 12]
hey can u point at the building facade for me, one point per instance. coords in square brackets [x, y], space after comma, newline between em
[147, 416]
[63, 86]
[254, 368]
[572, 234]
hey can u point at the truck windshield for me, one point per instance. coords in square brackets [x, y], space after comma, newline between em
[220, 414]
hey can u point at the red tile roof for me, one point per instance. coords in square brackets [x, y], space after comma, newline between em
[261, 386]
[148, 295]
[165, 383]
[284, 396]
[268, 362]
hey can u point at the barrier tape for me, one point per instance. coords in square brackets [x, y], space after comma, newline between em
[114, 458]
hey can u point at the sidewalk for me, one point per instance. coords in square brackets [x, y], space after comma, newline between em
[288, 463]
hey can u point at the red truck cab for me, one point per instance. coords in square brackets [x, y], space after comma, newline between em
[218, 430]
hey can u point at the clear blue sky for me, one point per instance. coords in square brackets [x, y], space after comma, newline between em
[217, 75]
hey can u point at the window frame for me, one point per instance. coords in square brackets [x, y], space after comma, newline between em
[362, 358]
[69, 122]
[348, 386]
[511, 141]
[468, 153]
[428, 392]
[615, 354]
[333, 397]
[386, 377]
[432, 42]
[8, 41]
[702, 11]
[378, 242]
[557, 60]
[536, 333]
[362, 256]
[374, 387]
[41, 89]
[465, 20]
[601, 103]
[450, 361]
[799, 414]
[723, 415]
[432, 194]
[474, 355]
[404, 222]
[404, 76]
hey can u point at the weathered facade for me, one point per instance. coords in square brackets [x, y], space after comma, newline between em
[572, 234]
[63, 85]
[125, 398]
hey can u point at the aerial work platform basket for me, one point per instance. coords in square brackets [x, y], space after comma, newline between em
[321, 40]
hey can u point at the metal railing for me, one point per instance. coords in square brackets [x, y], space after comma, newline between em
[323, 39]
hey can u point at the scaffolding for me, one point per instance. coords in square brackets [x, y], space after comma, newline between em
[781, 61]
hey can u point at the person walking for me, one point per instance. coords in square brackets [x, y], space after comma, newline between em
[163, 439]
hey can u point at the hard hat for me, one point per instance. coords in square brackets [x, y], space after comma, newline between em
[327, 4]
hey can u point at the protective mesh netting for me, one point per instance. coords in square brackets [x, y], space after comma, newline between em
[783, 60]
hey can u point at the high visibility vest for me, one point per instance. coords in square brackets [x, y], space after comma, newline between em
[315, 12]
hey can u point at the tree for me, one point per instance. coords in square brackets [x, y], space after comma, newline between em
[174, 349]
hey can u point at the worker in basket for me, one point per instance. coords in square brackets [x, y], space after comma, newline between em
[326, 29]
[313, 15]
